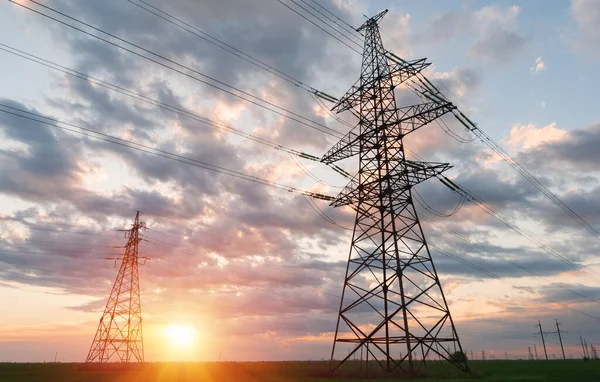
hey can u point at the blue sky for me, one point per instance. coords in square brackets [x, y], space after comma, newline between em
[524, 71]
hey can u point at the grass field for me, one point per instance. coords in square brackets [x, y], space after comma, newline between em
[514, 371]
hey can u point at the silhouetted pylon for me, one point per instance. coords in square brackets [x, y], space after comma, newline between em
[392, 302]
[119, 335]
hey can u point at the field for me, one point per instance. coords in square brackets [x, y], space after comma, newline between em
[488, 371]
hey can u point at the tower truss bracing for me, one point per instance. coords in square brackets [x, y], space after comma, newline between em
[119, 334]
[393, 308]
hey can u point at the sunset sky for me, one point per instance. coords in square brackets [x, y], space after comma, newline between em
[243, 271]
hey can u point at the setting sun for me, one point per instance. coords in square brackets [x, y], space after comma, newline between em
[180, 335]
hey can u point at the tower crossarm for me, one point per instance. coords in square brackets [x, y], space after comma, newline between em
[360, 91]
[410, 119]
[408, 174]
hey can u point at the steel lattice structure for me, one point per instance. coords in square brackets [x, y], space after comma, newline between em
[392, 305]
[119, 334]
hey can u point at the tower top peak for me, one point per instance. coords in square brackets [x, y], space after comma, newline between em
[373, 20]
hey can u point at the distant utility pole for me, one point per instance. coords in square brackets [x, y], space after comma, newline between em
[560, 338]
[536, 355]
[483, 355]
[506, 355]
[530, 354]
[587, 351]
[594, 352]
[583, 348]
[541, 333]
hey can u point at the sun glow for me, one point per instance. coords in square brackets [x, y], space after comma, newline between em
[180, 335]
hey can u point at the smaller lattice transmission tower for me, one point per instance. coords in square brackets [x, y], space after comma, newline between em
[119, 334]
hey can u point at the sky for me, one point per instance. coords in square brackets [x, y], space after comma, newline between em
[252, 272]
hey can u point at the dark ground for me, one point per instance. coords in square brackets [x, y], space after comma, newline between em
[514, 371]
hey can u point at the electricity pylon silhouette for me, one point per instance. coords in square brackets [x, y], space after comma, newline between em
[119, 334]
[392, 301]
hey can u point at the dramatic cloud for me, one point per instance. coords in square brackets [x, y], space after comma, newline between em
[243, 259]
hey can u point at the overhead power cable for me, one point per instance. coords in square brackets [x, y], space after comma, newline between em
[505, 155]
[310, 174]
[348, 28]
[165, 106]
[462, 261]
[357, 44]
[318, 26]
[486, 139]
[430, 209]
[510, 223]
[502, 258]
[52, 122]
[316, 94]
[222, 86]
[502, 279]
[219, 43]
[428, 86]
[323, 215]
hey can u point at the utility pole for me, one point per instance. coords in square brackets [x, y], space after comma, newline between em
[119, 334]
[536, 354]
[529, 353]
[560, 339]
[483, 355]
[583, 348]
[388, 242]
[541, 333]
[587, 352]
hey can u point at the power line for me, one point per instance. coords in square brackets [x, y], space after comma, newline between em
[500, 278]
[505, 155]
[221, 44]
[246, 96]
[509, 222]
[325, 22]
[497, 256]
[165, 106]
[448, 131]
[323, 215]
[317, 25]
[351, 29]
[316, 94]
[431, 210]
[428, 86]
[157, 152]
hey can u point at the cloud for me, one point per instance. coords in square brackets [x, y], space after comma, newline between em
[499, 38]
[539, 65]
[528, 137]
[260, 262]
[577, 149]
[493, 30]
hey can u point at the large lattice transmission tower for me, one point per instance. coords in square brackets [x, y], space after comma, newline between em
[392, 308]
[119, 334]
